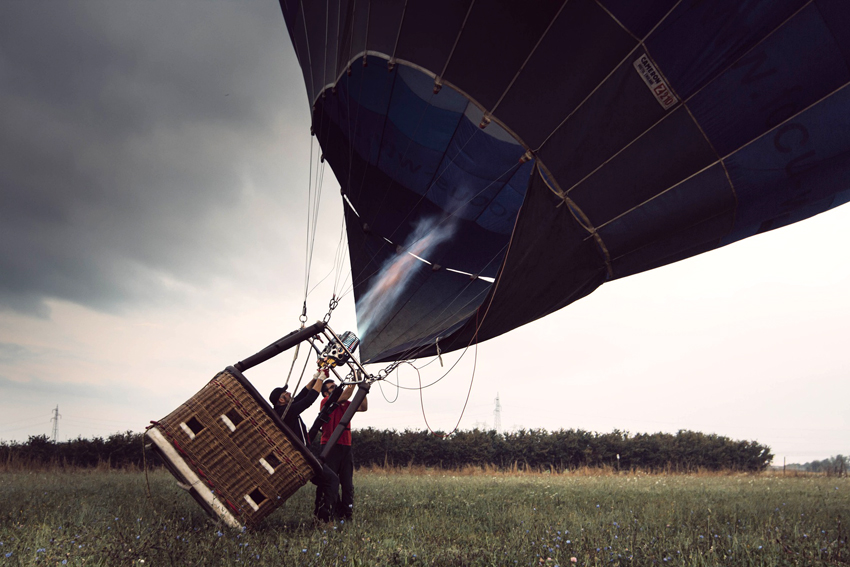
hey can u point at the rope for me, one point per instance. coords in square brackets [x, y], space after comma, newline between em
[325, 58]
[446, 373]
[307, 43]
[298, 385]
[313, 216]
[524, 63]
[308, 251]
[468, 392]
[398, 390]
[313, 200]
[292, 366]
[339, 258]
[398, 33]
[457, 39]
[145, 468]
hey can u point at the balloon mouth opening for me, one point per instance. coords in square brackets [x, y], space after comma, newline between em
[435, 197]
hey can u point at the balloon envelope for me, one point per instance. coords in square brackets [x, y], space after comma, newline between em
[500, 160]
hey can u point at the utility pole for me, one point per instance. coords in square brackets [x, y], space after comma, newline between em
[497, 415]
[55, 420]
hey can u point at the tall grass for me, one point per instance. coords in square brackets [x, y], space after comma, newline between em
[437, 518]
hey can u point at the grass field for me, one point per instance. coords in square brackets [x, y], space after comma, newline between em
[107, 518]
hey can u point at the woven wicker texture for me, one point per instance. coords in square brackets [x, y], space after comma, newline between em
[229, 461]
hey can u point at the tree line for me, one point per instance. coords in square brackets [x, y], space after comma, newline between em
[533, 449]
[538, 449]
[838, 465]
[119, 450]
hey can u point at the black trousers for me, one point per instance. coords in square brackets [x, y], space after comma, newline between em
[341, 462]
[327, 486]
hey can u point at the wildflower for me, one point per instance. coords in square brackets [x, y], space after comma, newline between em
[573, 559]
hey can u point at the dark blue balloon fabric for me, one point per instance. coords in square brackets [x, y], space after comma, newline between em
[551, 147]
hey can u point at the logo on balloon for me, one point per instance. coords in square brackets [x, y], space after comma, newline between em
[656, 83]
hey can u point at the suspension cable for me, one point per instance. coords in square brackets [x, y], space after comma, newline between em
[314, 195]
[465, 403]
[397, 391]
[295, 391]
[308, 251]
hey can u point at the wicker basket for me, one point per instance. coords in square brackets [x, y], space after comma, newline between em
[231, 451]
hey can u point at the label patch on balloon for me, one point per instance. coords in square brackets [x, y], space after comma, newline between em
[656, 83]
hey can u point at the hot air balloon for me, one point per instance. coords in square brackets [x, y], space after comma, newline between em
[500, 160]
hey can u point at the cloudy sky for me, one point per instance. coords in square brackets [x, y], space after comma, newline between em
[154, 172]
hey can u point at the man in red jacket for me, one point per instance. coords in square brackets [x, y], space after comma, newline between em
[340, 460]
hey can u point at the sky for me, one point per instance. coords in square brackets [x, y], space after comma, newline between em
[154, 177]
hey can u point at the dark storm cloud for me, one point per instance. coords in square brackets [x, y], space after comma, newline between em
[125, 131]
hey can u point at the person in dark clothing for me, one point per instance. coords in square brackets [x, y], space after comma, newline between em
[289, 410]
[281, 399]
